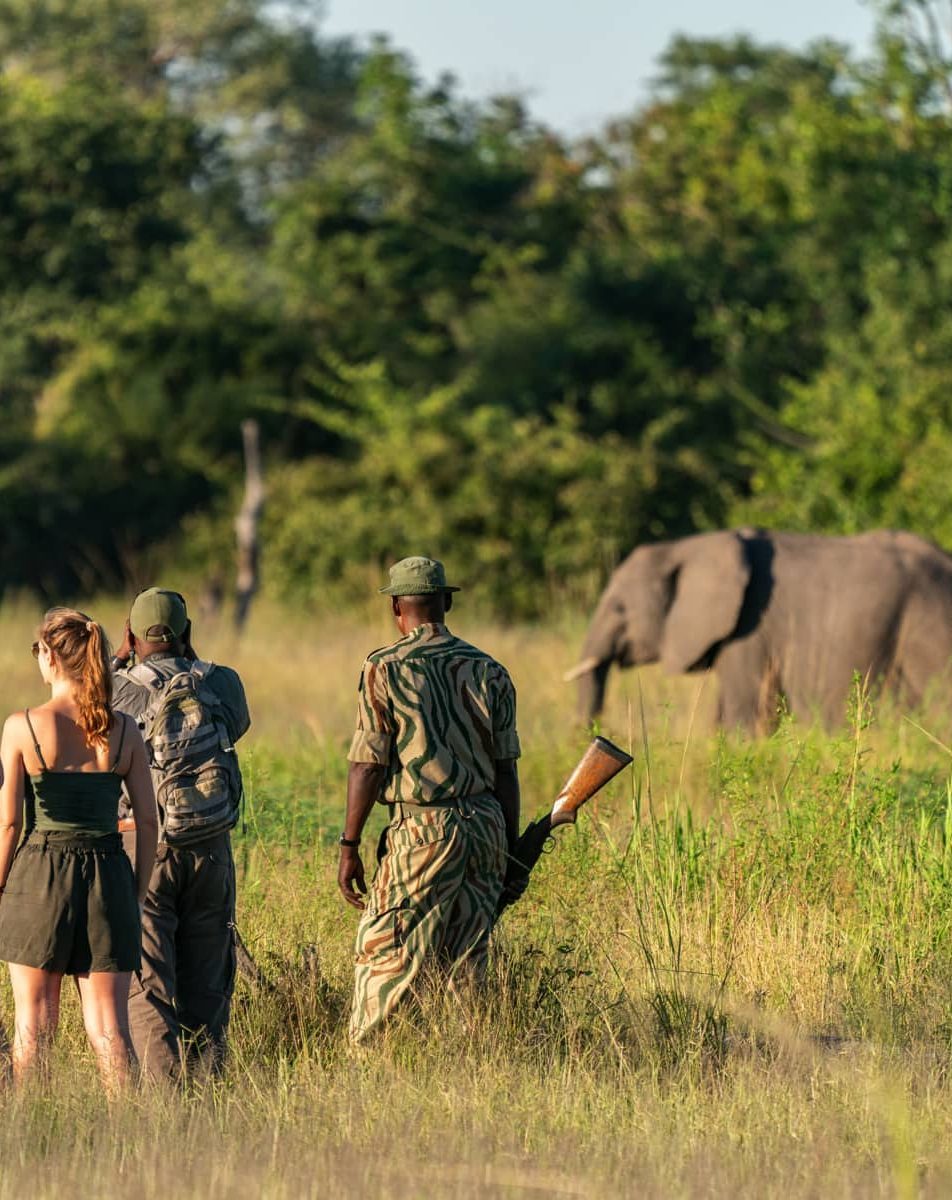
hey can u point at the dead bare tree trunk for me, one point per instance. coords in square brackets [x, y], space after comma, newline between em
[246, 524]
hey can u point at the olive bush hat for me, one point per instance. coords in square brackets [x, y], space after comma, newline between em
[158, 615]
[417, 577]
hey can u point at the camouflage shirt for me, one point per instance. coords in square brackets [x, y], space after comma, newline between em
[438, 714]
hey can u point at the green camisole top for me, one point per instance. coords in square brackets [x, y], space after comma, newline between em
[73, 801]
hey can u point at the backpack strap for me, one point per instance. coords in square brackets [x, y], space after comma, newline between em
[202, 672]
[148, 676]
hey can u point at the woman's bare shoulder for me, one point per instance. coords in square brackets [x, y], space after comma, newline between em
[15, 729]
[41, 717]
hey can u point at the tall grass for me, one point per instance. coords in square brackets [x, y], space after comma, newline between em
[732, 976]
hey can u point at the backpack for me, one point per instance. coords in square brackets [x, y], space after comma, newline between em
[194, 765]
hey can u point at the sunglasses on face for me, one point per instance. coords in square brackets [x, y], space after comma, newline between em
[36, 648]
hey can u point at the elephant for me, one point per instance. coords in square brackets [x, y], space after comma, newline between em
[778, 616]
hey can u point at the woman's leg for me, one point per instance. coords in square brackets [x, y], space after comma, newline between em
[105, 1000]
[36, 994]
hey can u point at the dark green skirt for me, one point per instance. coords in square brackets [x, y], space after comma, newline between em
[70, 905]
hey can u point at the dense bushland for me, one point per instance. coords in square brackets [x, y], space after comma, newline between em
[458, 330]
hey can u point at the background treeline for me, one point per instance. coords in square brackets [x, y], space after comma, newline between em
[459, 332]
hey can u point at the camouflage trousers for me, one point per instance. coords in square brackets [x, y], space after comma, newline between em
[432, 903]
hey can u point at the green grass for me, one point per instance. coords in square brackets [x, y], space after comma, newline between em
[733, 977]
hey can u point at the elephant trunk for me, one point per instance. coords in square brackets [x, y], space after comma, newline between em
[604, 645]
[591, 690]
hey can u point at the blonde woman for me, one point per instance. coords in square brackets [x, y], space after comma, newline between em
[69, 904]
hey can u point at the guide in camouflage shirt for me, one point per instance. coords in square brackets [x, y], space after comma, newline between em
[436, 739]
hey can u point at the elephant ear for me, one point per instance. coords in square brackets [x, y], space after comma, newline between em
[710, 579]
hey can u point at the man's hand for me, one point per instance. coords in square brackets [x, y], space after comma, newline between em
[350, 874]
[364, 781]
[514, 886]
[124, 652]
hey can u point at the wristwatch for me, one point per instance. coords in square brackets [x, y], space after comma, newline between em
[350, 843]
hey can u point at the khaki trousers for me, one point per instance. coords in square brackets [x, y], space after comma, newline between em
[180, 1000]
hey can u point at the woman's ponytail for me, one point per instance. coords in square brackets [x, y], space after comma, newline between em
[82, 650]
[95, 692]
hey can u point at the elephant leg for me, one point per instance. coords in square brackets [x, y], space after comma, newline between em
[737, 711]
[750, 687]
[922, 664]
[824, 687]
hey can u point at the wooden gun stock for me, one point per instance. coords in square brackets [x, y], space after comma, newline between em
[601, 762]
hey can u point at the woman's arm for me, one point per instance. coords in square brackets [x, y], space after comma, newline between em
[138, 780]
[11, 794]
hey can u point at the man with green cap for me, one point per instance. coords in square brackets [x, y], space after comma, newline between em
[191, 714]
[436, 740]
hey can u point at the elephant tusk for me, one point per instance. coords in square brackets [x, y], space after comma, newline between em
[582, 668]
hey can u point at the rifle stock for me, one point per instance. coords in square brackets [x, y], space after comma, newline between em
[601, 762]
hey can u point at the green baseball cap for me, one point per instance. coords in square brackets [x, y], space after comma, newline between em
[417, 577]
[158, 615]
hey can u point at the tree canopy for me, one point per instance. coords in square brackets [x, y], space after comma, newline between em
[460, 333]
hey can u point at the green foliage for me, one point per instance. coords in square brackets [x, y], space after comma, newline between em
[454, 327]
[875, 420]
[519, 499]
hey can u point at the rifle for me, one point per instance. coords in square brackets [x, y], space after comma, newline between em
[601, 762]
